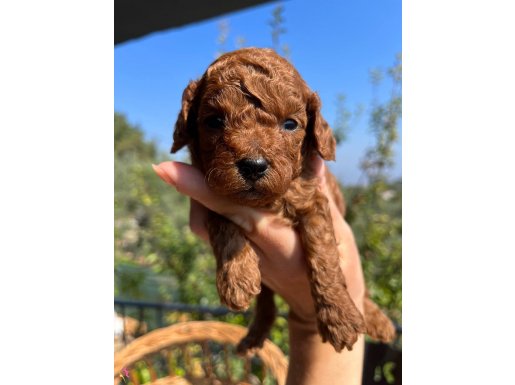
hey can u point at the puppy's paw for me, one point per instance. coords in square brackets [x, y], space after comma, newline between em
[340, 326]
[238, 295]
[379, 326]
[250, 344]
[384, 331]
[239, 280]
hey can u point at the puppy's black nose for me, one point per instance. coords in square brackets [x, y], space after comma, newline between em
[252, 169]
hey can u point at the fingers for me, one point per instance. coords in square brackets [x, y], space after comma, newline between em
[190, 181]
[320, 171]
[274, 235]
[173, 174]
[198, 218]
[318, 165]
[257, 224]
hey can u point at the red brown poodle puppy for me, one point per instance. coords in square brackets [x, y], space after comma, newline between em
[251, 123]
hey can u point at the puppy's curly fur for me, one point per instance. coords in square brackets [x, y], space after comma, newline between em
[251, 123]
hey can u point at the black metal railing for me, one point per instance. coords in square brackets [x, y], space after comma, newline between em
[159, 310]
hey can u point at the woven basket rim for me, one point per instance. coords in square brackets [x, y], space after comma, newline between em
[196, 331]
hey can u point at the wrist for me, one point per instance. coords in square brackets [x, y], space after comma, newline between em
[313, 362]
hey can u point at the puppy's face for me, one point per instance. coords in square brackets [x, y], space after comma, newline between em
[249, 124]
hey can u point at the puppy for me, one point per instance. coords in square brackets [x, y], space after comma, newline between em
[250, 124]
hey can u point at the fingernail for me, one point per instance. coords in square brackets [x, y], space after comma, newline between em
[163, 175]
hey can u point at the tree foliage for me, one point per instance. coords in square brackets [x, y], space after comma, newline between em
[156, 255]
[375, 210]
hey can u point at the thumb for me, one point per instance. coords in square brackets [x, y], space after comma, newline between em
[190, 181]
[186, 179]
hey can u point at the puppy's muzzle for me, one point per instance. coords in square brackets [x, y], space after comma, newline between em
[252, 169]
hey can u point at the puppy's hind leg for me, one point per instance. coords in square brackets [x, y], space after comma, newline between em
[379, 326]
[238, 279]
[264, 317]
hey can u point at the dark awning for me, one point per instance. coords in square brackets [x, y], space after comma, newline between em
[137, 18]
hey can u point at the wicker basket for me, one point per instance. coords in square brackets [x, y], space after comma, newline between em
[180, 336]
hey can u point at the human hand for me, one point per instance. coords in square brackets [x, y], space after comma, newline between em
[283, 267]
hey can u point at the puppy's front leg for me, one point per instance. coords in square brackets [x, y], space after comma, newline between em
[237, 271]
[338, 319]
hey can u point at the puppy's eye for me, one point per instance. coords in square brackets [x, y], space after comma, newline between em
[215, 122]
[290, 124]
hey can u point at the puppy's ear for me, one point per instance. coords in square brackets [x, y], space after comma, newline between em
[183, 130]
[320, 135]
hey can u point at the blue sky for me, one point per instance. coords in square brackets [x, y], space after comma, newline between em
[334, 45]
